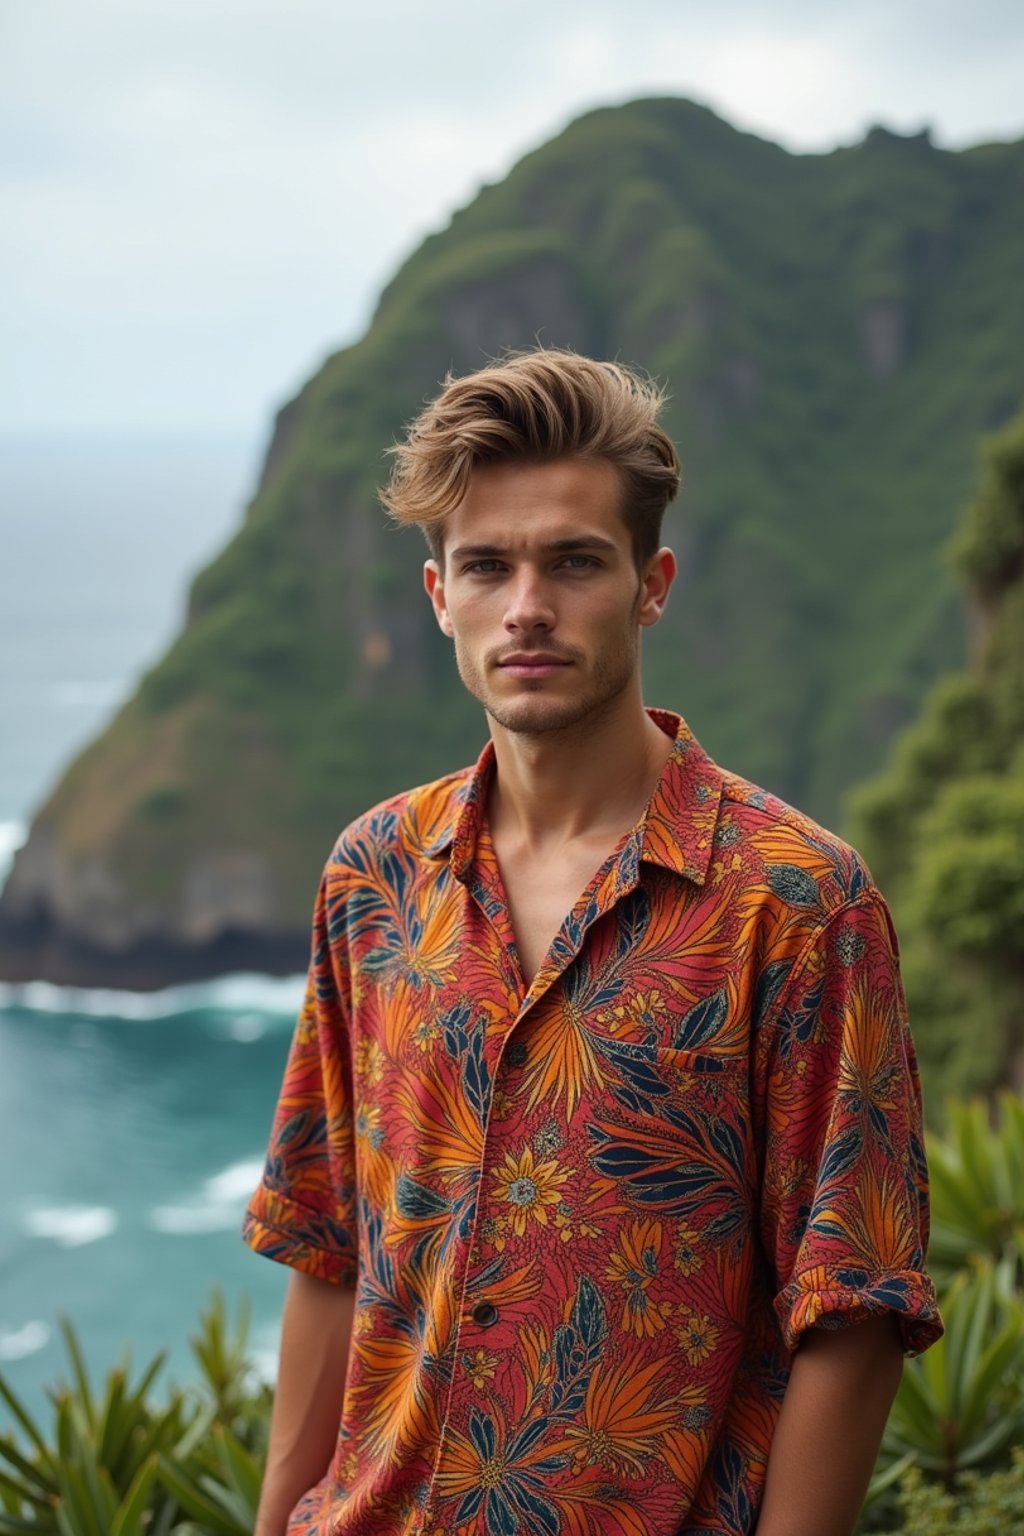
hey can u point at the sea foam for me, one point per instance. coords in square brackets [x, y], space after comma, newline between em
[21, 1342]
[72, 1226]
[216, 1207]
[251, 998]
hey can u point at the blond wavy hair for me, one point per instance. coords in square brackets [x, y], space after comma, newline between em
[535, 406]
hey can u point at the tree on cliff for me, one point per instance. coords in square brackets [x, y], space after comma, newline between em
[944, 828]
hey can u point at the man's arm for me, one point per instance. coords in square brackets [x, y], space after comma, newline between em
[833, 1414]
[315, 1334]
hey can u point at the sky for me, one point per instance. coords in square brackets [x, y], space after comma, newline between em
[201, 199]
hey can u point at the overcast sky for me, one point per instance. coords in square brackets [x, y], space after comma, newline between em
[201, 198]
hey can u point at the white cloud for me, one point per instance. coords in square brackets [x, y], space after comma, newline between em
[201, 199]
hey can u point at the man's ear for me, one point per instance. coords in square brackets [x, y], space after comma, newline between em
[433, 581]
[655, 585]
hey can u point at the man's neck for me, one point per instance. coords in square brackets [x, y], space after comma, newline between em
[589, 781]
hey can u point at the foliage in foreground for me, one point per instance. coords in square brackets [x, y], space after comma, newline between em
[114, 1463]
[959, 1412]
[974, 1506]
[119, 1463]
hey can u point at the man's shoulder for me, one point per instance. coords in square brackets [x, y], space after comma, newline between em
[417, 823]
[787, 849]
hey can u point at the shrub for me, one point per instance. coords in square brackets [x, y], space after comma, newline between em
[119, 1464]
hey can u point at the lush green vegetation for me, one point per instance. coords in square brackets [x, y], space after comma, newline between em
[951, 1458]
[943, 828]
[126, 1461]
[837, 330]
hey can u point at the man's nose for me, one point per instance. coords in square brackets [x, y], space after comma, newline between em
[529, 605]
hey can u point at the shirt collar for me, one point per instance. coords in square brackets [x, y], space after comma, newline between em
[676, 830]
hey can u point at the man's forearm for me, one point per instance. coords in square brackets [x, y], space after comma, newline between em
[315, 1335]
[825, 1443]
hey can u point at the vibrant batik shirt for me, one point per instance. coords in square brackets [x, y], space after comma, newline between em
[589, 1219]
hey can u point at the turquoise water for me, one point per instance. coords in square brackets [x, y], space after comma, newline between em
[131, 1143]
[131, 1127]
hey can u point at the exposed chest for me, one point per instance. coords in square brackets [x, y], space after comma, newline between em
[540, 895]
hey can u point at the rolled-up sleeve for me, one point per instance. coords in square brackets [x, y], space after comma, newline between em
[304, 1212]
[844, 1199]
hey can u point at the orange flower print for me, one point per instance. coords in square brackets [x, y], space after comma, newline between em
[698, 1336]
[625, 1414]
[687, 1250]
[634, 1264]
[480, 1366]
[529, 1187]
[643, 1011]
[642, 1315]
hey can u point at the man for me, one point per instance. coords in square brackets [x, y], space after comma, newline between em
[601, 1122]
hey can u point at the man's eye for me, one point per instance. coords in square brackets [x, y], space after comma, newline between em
[579, 562]
[483, 567]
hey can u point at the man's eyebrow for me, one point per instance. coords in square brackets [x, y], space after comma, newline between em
[554, 546]
[582, 541]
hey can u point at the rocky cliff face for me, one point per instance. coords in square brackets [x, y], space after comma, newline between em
[836, 330]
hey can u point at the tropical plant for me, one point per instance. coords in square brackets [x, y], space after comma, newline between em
[95, 1475]
[959, 1411]
[961, 1404]
[977, 1185]
[116, 1463]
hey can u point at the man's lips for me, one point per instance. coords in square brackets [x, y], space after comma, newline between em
[532, 663]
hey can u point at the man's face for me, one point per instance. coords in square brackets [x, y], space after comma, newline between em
[541, 594]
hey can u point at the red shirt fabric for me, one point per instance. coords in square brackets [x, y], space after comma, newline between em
[589, 1219]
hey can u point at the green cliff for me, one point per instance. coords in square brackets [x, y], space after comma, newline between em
[943, 827]
[837, 330]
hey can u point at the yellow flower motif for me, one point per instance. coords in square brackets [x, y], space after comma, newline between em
[481, 1367]
[719, 866]
[369, 1060]
[368, 1126]
[642, 1011]
[349, 1466]
[365, 1320]
[564, 1222]
[424, 1035]
[688, 1258]
[529, 1187]
[698, 1335]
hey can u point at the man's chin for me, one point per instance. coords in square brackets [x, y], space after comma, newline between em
[537, 717]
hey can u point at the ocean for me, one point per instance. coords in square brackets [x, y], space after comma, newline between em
[132, 1126]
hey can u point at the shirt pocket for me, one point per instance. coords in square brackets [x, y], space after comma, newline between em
[674, 1133]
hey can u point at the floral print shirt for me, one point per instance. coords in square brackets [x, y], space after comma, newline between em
[588, 1220]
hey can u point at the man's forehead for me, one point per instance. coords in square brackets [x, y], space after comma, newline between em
[539, 505]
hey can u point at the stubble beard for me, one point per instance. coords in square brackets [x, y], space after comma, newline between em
[538, 715]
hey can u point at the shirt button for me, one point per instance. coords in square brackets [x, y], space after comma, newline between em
[485, 1314]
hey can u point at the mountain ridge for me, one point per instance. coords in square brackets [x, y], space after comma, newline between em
[836, 331]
